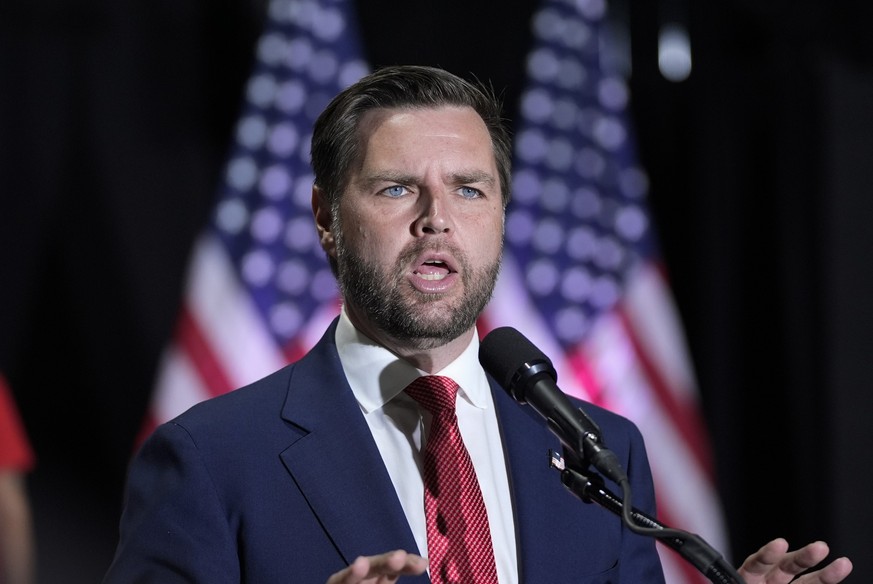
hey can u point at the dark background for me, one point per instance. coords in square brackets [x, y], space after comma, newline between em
[114, 119]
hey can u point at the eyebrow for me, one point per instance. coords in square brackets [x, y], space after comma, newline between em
[461, 177]
[473, 176]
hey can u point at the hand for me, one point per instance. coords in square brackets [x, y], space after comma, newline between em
[380, 569]
[774, 564]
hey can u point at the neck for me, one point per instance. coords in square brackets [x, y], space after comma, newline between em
[429, 355]
[434, 359]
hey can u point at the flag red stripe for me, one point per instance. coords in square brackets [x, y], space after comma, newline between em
[293, 351]
[149, 424]
[196, 346]
[582, 369]
[683, 416]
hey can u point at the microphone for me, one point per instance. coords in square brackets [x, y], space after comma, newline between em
[529, 377]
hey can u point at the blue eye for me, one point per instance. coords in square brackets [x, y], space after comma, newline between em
[395, 191]
[469, 192]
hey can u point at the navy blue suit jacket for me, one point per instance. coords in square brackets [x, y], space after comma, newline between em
[281, 481]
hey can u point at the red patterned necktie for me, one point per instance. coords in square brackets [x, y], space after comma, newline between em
[458, 537]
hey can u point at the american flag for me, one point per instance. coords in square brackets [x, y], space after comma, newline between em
[581, 276]
[259, 291]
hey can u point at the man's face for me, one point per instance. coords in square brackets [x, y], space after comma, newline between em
[419, 233]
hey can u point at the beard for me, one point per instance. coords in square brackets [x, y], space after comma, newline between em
[393, 306]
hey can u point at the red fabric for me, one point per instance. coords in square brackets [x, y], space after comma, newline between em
[15, 451]
[458, 536]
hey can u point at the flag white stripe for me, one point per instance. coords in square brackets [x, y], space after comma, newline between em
[672, 564]
[178, 386]
[512, 306]
[656, 321]
[228, 318]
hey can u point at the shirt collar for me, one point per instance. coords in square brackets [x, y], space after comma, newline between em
[376, 375]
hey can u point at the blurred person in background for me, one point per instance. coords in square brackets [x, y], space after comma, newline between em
[17, 548]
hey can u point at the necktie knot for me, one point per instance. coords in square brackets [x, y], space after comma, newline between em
[434, 393]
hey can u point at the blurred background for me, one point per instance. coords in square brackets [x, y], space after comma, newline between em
[116, 117]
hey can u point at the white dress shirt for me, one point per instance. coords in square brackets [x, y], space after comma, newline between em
[377, 378]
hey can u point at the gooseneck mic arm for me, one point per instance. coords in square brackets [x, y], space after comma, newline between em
[529, 377]
[589, 487]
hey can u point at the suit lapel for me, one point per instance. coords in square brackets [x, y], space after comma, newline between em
[551, 524]
[357, 505]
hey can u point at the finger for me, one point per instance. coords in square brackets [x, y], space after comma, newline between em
[805, 558]
[355, 573]
[763, 560]
[397, 563]
[835, 572]
[385, 567]
[773, 564]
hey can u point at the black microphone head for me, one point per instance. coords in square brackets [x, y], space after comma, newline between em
[509, 357]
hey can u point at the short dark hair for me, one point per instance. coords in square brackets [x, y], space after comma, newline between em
[335, 138]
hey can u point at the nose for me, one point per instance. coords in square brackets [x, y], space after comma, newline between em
[434, 216]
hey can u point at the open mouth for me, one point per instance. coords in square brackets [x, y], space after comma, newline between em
[433, 270]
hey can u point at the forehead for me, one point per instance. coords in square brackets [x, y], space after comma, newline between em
[410, 132]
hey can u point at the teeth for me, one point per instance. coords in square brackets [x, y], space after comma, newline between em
[432, 277]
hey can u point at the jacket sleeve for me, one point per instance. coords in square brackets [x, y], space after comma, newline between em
[174, 527]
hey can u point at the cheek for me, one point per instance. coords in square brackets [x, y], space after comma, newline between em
[371, 243]
[354, 234]
[489, 236]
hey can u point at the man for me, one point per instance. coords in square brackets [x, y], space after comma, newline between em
[315, 472]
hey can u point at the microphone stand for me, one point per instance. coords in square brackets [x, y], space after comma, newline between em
[589, 487]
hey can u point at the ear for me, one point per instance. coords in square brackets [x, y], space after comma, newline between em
[323, 220]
